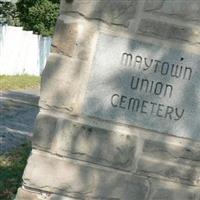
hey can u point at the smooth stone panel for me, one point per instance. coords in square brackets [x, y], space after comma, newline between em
[145, 85]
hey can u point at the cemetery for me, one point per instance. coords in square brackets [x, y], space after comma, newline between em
[119, 104]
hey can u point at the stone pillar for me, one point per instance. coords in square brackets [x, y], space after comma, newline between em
[97, 135]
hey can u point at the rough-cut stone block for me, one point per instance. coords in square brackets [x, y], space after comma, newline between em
[178, 162]
[78, 180]
[84, 142]
[44, 131]
[151, 5]
[73, 39]
[172, 152]
[61, 85]
[24, 194]
[65, 38]
[166, 31]
[184, 9]
[162, 190]
[113, 12]
[173, 171]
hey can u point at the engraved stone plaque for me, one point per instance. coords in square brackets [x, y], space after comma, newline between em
[145, 85]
